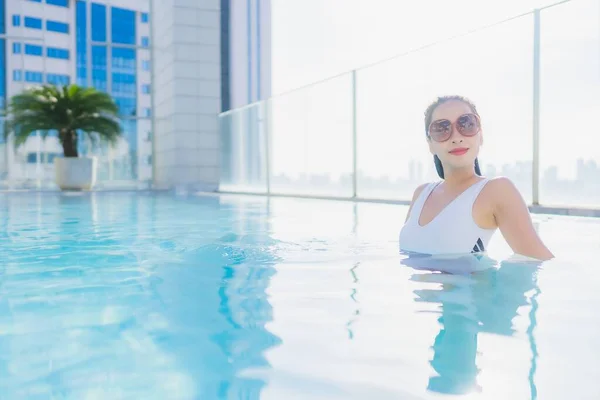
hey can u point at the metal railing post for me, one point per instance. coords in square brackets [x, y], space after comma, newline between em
[535, 193]
[267, 126]
[354, 138]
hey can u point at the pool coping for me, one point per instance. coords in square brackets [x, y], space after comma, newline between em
[535, 209]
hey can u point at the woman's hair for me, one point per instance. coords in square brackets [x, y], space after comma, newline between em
[429, 115]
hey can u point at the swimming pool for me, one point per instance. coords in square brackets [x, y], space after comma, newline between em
[158, 296]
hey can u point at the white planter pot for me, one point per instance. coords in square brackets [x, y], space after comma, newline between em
[75, 173]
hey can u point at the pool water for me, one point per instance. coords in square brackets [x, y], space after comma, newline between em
[165, 296]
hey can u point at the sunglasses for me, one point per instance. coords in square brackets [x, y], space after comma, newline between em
[467, 125]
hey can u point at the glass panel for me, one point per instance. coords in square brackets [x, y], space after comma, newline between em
[311, 140]
[123, 26]
[99, 78]
[492, 67]
[3, 74]
[124, 156]
[98, 22]
[144, 150]
[243, 158]
[81, 43]
[570, 83]
[123, 85]
[60, 3]
[55, 26]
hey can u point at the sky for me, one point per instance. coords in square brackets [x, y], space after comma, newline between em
[316, 39]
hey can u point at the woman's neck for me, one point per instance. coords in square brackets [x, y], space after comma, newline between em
[459, 177]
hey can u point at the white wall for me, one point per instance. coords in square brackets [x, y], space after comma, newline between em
[187, 77]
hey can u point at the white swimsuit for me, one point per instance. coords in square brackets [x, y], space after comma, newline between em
[452, 231]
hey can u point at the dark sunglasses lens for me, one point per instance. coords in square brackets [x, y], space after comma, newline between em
[467, 125]
[440, 130]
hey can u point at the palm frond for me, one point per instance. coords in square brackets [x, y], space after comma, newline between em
[65, 109]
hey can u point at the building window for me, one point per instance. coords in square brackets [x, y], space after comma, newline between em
[99, 66]
[59, 3]
[58, 79]
[98, 22]
[33, 50]
[55, 26]
[54, 52]
[144, 18]
[146, 89]
[148, 136]
[16, 20]
[146, 65]
[147, 112]
[17, 75]
[123, 26]
[33, 23]
[145, 41]
[81, 30]
[36, 1]
[16, 48]
[33, 76]
[31, 158]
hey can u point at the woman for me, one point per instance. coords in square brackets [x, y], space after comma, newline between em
[461, 213]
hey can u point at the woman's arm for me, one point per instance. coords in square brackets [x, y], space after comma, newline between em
[514, 221]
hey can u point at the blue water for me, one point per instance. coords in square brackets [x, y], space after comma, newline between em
[159, 296]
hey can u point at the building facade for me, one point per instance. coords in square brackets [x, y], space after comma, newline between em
[100, 43]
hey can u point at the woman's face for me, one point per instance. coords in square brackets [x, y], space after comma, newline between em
[458, 151]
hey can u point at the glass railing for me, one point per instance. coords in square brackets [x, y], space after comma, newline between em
[535, 80]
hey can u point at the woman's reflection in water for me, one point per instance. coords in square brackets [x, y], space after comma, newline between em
[477, 296]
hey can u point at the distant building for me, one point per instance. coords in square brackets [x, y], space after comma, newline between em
[104, 44]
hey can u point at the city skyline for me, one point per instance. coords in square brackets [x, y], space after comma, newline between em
[584, 190]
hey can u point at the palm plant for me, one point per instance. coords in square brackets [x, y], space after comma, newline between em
[67, 110]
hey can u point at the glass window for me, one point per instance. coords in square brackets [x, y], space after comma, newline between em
[99, 68]
[36, 1]
[33, 76]
[147, 112]
[81, 42]
[98, 22]
[146, 65]
[2, 72]
[146, 89]
[55, 26]
[145, 41]
[17, 75]
[123, 26]
[59, 3]
[16, 48]
[54, 52]
[16, 20]
[33, 50]
[58, 79]
[124, 83]
[144, 18]
[33, 23]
